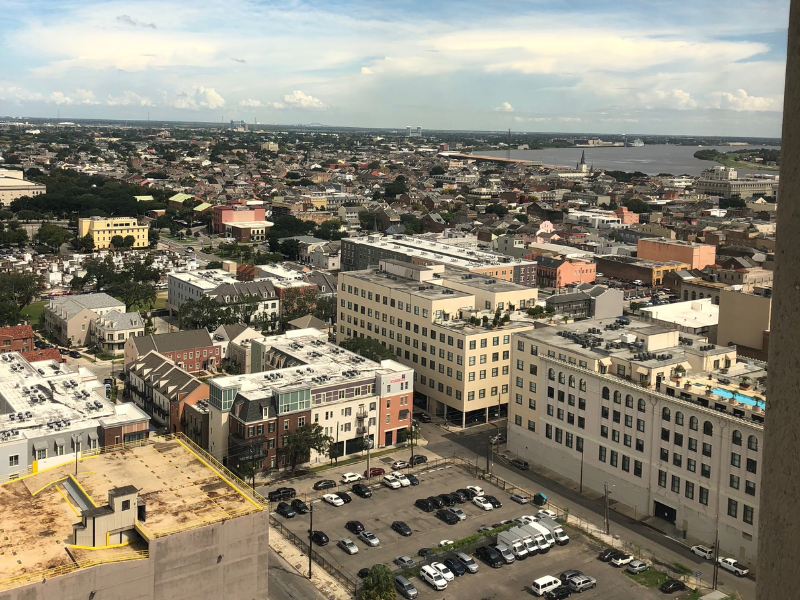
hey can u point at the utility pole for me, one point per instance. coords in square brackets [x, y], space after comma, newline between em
[310, 534]
[369, 446]
[75, 444]
[605, 513]
[580, 491]
[716, 559]
[488, 455]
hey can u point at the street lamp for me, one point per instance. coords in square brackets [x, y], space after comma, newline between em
[607, 513]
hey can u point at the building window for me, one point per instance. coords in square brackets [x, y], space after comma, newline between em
[642, 406]
[752, 466]
[13, 461]
[734, 482]
[637, 468]
[747, 514]
[602, 454]
[752, 443]
[733, 508]
[675, 484]
[531, 425]
[689, 490]
[662, 479]
[705, 471]
[517, 420]
[626, 463]
[706, 449]
[703, 496]
[736, 460]
[750, 488]
[126, 505]
[548, 431]
[737, 438]
[693, 423]
[691, 465]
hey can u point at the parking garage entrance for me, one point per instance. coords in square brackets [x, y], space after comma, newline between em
[662, 511]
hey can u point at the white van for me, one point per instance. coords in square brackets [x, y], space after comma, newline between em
[544, 584]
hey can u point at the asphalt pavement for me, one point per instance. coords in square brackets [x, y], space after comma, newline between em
[285, 583]
[474, 448]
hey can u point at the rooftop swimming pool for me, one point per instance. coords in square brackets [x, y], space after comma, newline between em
[749, 400]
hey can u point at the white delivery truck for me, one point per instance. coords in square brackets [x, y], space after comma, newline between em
[538, 537]
[545, 532]
[513, 543]
[526, 538]
[555, 529]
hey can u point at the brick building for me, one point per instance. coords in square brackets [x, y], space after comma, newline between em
[18, 338]
[193, 350]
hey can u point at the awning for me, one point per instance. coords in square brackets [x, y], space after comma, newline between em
[686, 365]
[40, 445]
[92, 435]
[642, 370]
[60, 442]
[605, 362]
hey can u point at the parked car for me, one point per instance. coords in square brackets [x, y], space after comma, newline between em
[638, 566]
[520, 464]
[399, 464]
[74, 354]
[520, 498]
[424, 551]
[730, 564]
[621, 560]
[559, 593]
[582, 583]
[401, 478]
[425, 504]
[412, 479]
[361, 490]
[369, 538]
[459, 496]
[490, 557]
[703, 552]
[348, 546]
[345, 497]
[374, 472]
[324, 484]
[351, 477]
[672, 585]
[468, 562]
[299, 506]
[446, 499]
[436, 501]
[503, 551]
[391, 482]
[447, 517]
[546, 514]
[405, 588]
[401, 528]
[333, 500]
[470, 494]
[475, 489]
[418, 459]
[443, 571]
[569, 574]
[282, 493]
[481, 503]
[285, 510]
[607, 554]
[457, 512]
[354, 527]
[404, 561]
[319, 538]
[422, 417]
[444, 543]
[432, 577]
[456, 568]
[493, 501]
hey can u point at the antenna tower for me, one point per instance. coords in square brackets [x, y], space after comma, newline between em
[508, 148]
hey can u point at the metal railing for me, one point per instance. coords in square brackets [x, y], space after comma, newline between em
[302, 545]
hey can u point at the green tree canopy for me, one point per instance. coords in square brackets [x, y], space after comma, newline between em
[52, 236]
[370, 349]
[297, 446]
[437, 170]
[637, 206]
[378, 584]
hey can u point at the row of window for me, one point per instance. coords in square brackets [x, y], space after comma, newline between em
[562, 437]
[559, 414]
[748, 512]
[562, 379]
[531, 424]
[613, 459]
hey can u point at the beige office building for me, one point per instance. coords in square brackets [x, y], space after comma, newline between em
[103, 230]
[603, 403]
[744, 321]
[422, 315]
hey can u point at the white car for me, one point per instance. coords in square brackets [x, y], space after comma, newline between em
[444, 543]
[399, 464]
[481, 503]
[474, 488]
[457, 512]
[351, 477]
[369, 538]
[401, 478]
[545, 514]
[433, 577]
[391, 482]
[526, 519]
[702, 551]
[622, 560]
[348, 546]
[446, 573]
[730, 564]
[333, 499]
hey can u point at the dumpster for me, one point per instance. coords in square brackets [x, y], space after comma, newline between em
[540, 499]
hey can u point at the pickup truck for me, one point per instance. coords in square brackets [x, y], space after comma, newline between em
[734, 567]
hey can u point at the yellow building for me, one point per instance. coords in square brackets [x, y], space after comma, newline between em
[103, 230]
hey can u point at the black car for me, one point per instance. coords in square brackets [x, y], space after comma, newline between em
[424, 551]
[520, 464]
[324, 484]
[607, 554]
[63, 351]
[569, 574]
[363, 572]
[401, 528]
[438, 502]
[299, 506]
[360, 489]
[345, 497]
[559, 593]
[412, 480]
[319, 538]
[490, 557]
[422, 417]
[447, 517]
[74, 354]
[285, 510]
[459, 496]
[354, 527]
[282, 493]
[672, 585]
[493, 501]
[425, 504]
[418, 459]
[456, 567]
[446, 499]
[468, 493]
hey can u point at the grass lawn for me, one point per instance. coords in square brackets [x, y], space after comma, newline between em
[650, 578]
[160, 302]
[33, 311]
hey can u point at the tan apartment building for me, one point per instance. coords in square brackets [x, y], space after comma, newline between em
[744, 321]
[103, 230]
[604, 403]
[697, 256]
[432, 319]
[70, 319]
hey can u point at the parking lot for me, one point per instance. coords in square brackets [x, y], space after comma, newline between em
[386, 505]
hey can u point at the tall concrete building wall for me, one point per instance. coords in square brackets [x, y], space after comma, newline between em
[743, 319]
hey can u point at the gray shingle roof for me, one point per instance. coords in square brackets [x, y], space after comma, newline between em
[172, 342]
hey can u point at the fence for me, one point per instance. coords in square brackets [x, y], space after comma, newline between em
[350, 584]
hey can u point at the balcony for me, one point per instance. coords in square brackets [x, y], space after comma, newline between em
[361, 430]
[361, 414]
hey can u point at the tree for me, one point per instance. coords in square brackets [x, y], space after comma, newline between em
[325, 308]
[437, 170]
[52, 236]
[214, 264]
[498, 209]
[20, 288]
[133, 293]
[412, 224]
[636, 205]
[732, 203]
[397, 187]
[297, 446]
[84, 244]
[329, 230]
[522, 218]
[117, 241]
[378, 584]
[129, 241]
[298, 302]
[290, 249]
[370, 349]
[205, 313]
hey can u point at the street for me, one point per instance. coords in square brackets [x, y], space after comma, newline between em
[473, 447]
[285, 583]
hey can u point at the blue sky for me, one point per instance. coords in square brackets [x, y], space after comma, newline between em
[674, 67]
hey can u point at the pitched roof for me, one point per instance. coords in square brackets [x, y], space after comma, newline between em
[17, 332]
[308, 321]
[46, 354]
[172, 342]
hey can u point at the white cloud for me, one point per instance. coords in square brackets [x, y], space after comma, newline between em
[569, 119]
[531, 119]
[201, 97]
[127, 20]
[741, 101]
[60, 98]
[504, 107]
[128, 98]
[84, 97]
[367, 71]
[19, 94]
[251, 103]
[300, 100]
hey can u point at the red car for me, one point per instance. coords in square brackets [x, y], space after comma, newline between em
[374, 472]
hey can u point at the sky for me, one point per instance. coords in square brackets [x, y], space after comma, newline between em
[700, 67]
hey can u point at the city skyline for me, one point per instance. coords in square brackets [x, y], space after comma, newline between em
[678, 68]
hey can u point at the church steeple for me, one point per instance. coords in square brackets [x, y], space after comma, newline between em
[583, 157]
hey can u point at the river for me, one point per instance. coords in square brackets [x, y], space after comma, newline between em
[678, 160]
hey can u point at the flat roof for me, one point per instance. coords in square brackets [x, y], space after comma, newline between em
[692, 313]
[180, 490]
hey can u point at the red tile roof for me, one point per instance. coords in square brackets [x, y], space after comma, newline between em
[47, 354]
[17, 332]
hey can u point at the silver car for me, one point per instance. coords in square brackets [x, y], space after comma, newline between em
[581, 583]
[638, 566]
[369, 538]
[457, 512]
[468, 563]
